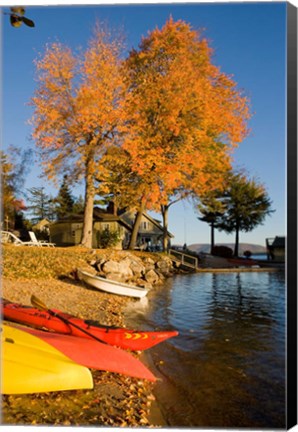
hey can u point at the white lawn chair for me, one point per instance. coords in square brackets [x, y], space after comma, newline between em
[8, 237]
[40, 242]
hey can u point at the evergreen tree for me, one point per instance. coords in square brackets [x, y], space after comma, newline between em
[41, 204]
[79, 204]
[247, 204]
[64, 200]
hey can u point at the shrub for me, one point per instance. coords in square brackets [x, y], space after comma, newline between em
[247, 253]
[222, 251]
[107, 238]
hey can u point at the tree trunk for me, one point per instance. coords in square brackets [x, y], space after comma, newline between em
[212, 237]
[236, 250]
[89, 202]
[136, 226]
[165, 217]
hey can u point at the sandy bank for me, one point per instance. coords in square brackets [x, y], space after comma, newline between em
[116, 400]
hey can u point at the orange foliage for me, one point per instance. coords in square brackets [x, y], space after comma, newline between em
[183, 115]
[171, 114]
[76, 102]
[76, 110]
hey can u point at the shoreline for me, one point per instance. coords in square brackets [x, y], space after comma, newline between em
[237, 269]
[48, 273]
[116, 400]
[156, 417]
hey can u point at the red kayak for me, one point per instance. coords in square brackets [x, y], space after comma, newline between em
[120, 337]
[93, 354]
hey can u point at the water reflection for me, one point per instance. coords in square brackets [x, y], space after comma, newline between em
[228, 363]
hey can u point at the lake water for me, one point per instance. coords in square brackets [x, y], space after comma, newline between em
[227, 366]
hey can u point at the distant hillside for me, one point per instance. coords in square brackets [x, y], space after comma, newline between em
[205, 247]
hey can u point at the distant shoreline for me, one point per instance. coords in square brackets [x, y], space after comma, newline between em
[255, 249]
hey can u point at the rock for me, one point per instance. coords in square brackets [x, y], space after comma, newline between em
[149, 264]
[161, 274]
[125, 268]
[134, 269]
[119, 271]
[142, 283]
[148, 260]
[97, 264]
[110, 267]
[152, 277]
[137, 268]
[164, 266]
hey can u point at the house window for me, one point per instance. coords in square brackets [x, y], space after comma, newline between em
[146, 226]
[106, 226]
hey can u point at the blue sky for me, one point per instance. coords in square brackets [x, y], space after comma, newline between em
[249, 42]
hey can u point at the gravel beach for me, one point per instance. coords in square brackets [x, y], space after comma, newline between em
[116, 400]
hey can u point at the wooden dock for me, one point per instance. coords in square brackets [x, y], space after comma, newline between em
[219, 264]
[186, 261]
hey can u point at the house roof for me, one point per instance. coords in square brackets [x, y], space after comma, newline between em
[101, 215]
[279, 242]
[157, 223]
[42, 223]
[151, 219]
[276, 242]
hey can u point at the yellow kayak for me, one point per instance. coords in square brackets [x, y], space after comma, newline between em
[30, 365]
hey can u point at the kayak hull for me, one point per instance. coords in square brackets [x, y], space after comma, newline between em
[93, 354]
[120, 337]
[30, 365]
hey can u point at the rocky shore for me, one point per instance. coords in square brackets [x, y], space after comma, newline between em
[144, 270]
[116, 400]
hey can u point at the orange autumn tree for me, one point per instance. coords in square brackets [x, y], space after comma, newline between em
[183, 117]
[76, 111]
